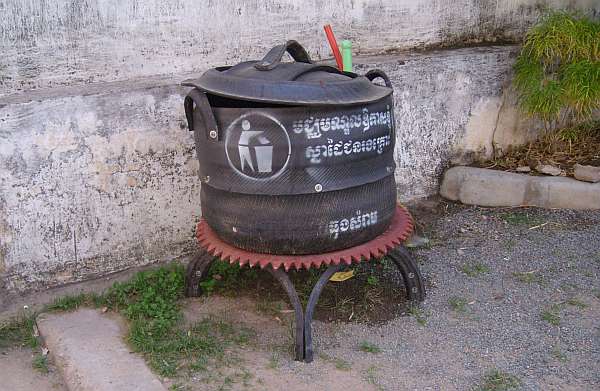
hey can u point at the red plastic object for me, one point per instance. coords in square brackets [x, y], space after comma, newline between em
[398, 231]
[334, 47]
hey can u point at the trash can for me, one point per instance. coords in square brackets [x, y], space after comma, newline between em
[295, 157]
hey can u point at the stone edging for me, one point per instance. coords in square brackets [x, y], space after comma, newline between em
[480, 186]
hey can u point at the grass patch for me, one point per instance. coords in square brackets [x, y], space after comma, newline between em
[18, 332]
[342, 365]
[150, 302]
[528, 277]
[371, 377]
[418, 314]
[71, 303]
[495, 380]
[273, 361]
[225, 277]
[520, 219]
[40, 363]
[575, 302]
[369, 347]
[551, 316]
[474, 269]
[458, 304]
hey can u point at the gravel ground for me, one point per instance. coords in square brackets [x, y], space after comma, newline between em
[505, 270]
[513, 290]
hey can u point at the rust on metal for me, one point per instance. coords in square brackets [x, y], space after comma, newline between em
[399, 230]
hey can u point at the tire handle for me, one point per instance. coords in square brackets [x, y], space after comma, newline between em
[274, 56]
[199, 98]
[378, 73]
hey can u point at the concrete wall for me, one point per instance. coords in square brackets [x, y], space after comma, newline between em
[60, 42]
[97, 170]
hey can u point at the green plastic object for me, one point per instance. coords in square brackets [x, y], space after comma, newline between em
[347, 55]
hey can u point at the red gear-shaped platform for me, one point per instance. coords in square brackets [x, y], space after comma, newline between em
[398, 231]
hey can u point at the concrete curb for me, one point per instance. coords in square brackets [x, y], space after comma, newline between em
[484, 187]
[88, 348]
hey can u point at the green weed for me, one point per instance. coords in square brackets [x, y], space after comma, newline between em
[18, 332]
[70, 303]
[342, 365]
[418, 314]
[40, 363]
[225, 277]
[495, 380]
[150, 302]
[372, 281]
[369, 347]
[520, 219]
[371, 377]
[528, 277]
[458, 304]
[575, 302]
[474, 269]
[557, 73]
[551, 316]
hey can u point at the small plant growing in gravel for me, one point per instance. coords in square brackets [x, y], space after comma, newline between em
[528, 277]
[495, 380]
[474, 269]
[551, 316]
[40, 363]
[575, 302]
[369, 347]
[371, 377]
[458, 304]
[557, 73]
[342, 365]
[418, 314]
[520, 218]
[372, 281]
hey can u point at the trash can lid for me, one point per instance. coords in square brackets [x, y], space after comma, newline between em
[297, 83]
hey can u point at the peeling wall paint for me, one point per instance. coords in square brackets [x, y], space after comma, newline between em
[95, 184]
[60, 42]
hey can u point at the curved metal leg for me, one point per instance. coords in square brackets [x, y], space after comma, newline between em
[196, 271]
[413, 280]
[310, 309]
[415, 291]
[284, 279]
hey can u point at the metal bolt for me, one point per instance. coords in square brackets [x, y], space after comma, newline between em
[206, 179]
[212, 134]
[390, 169]
[414, 289]
[318, 188]
[411, 275]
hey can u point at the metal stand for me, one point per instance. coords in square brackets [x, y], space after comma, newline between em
[413, 281]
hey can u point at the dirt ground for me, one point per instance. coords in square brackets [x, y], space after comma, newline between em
[510, 290]
[18, 374]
